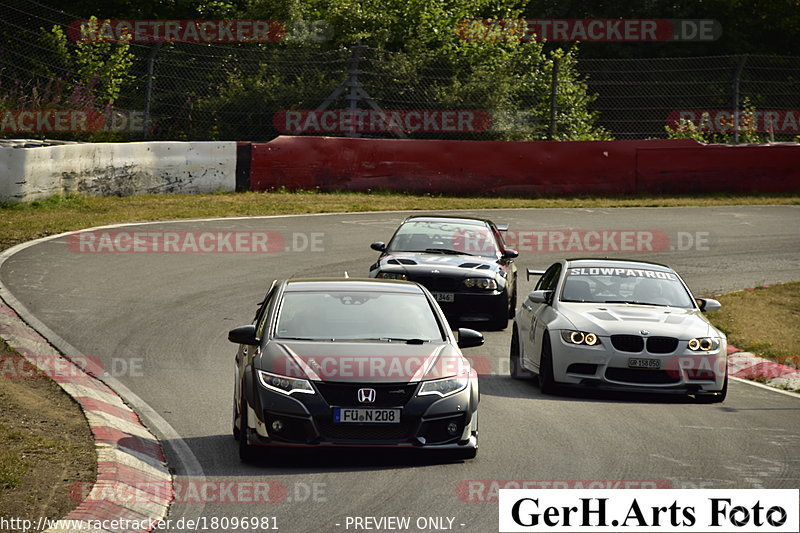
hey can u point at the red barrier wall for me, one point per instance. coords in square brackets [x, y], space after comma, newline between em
[719, 168]
[543, 168]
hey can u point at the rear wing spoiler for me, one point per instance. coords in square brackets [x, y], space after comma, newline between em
[533, 272]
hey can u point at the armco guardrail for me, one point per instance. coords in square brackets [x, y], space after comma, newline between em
[539, 168]
[122, 169]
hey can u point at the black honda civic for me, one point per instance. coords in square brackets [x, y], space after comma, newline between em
[463, 261]
[353, 362]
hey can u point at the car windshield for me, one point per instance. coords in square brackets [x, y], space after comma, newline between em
[444, 237]
[361, 315]
[625, 285]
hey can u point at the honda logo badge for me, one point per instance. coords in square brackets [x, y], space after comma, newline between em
[367, 395]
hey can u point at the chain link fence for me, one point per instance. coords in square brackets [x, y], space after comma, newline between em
[256, 91]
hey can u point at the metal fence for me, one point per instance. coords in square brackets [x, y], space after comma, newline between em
[255, 91]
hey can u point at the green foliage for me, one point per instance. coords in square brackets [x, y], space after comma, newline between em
[100, 64]
[704, 130]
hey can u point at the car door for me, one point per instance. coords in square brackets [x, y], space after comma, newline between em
[541, 314]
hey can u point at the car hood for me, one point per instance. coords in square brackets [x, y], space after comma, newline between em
[452, 265]
[622, 319]
[363, 362]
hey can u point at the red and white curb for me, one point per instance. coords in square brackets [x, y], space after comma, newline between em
[129, 456]
[745, 365]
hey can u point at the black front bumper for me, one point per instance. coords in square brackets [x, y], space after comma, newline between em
[307, 419]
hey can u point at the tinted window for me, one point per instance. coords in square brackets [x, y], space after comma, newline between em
[356, 315]
[625, 285]
[549, 279]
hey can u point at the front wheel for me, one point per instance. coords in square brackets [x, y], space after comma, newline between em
[246, 451]
[547, 383]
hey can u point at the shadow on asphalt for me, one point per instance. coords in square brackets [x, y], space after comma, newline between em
[508, 387]
[275, 460]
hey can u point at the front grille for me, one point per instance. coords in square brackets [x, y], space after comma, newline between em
[331, 430]
[642, 375]
[386, 394]
[627, 343]
[662, 344]
[437, 283]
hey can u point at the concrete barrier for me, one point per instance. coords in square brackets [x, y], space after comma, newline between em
[530, 168]
[116, 169]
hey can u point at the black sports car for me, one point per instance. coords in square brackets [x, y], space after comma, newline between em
[353, 362]
[462, 261]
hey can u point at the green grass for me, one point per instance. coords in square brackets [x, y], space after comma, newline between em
[20, 222]
[763, 321]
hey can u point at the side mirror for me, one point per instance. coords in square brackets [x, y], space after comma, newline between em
[540, 297]
[708, 305]
[378, 246]
[508, 253]
[244, 335]
[469, 338]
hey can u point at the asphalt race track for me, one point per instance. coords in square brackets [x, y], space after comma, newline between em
[159, 323]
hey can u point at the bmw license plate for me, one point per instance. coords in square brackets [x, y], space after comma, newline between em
[345, 415]
[635, 362]
[444, 296]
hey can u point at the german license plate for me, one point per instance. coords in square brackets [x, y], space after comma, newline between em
[444, 296]
[636, 362]
[344, 415]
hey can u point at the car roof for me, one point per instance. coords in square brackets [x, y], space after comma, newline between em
[622, 263]
[449, 218]
[351, 284]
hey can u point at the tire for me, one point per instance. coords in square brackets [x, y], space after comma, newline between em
[515, 358]
[715, 397]
[512, 307]
[547, 384]
[236, 431]
[246, 451]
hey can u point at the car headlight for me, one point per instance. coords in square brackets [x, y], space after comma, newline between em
[703, 344]
[284, 384]
[392, 275]
[444, 387]
[580, 337]
[480, 283]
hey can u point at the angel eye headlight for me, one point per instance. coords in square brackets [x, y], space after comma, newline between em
[284, 384]
[580, 337]
[480, 283]
[703, 344]
[444, 387]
